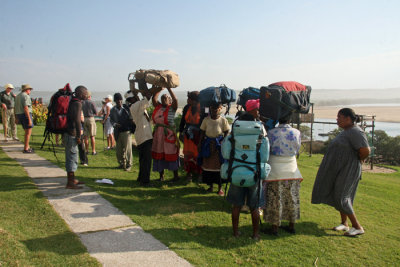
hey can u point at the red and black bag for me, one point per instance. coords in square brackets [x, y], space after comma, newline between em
[280, 99]
[57, 113]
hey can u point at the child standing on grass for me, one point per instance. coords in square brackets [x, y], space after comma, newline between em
[213, 130]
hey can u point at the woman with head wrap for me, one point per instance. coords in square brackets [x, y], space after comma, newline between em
[340, 171]
[189, 133]
[165, 149]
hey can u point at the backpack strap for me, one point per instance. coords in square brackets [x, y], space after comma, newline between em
[258, 166]
[231, 154]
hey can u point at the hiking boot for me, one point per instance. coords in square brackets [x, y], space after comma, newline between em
[71, 181]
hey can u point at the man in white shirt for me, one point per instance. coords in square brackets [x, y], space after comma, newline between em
[143, 133]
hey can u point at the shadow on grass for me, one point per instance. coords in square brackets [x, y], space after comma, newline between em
[220, 237]
[8, 184]
[60, 244]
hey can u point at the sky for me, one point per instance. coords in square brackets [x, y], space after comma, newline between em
[325, 44]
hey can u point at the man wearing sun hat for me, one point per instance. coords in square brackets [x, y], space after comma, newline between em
[23, 111]
[7, 103]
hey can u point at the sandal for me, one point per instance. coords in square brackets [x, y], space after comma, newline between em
[29, 150]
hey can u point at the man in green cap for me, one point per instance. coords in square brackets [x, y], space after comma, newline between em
[7, 103]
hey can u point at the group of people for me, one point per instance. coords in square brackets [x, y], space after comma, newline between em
[158, 141]
[17, 109]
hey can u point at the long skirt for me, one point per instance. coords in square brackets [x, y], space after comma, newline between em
[282, 201]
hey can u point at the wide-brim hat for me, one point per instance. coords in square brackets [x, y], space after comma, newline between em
[109, 97]
[128, 94]
[8, 85]
[25, 87]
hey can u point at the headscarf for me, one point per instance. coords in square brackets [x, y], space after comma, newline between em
[252, 104]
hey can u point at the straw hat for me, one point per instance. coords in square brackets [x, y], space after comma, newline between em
[26, 87]
[109, 97]
[8, 85]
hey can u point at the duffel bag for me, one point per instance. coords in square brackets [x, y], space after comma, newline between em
[213, 95]
[161, 78]
[280, 99]
[247, 94]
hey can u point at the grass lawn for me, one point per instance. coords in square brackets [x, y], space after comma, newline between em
[197, 225]
[31, 232]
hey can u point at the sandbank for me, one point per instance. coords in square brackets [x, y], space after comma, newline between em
[383, 114]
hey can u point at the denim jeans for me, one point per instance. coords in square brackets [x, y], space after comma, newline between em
[71, 153]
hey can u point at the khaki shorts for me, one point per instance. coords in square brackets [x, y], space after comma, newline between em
[89, 127]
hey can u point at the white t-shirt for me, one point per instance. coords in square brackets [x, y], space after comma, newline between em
[143, 130]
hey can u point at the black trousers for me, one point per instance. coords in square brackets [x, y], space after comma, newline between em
[145, 161]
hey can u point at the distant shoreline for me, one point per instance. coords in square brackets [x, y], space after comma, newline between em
[382, 113]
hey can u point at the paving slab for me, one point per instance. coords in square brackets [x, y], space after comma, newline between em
[88, 211]
[55, 186]
[131, 247]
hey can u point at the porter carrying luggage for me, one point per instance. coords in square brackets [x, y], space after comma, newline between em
[213, 95]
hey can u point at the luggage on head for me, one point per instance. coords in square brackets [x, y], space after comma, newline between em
[246, 150]
[280, 99]
[159, 78]
[213, 95]
[247, 94]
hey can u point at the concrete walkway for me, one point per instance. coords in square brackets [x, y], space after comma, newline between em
[109, 236]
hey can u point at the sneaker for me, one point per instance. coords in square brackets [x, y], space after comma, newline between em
[353, 232]
[341, 227]
[15, 139]
[85, 164]
[94, 153]
[128, 168]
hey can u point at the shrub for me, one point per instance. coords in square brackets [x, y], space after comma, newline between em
[39, 113]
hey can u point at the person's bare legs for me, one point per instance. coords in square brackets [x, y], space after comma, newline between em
[27, 137]
[93, 143]
[86, 141]
[235, 220]
[5, 124]
[255, 220]
[109, 140]
[343, 218]
[112, 140]
[354, 221]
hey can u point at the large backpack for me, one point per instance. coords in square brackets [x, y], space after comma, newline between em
[246, 150]
[213, 95]
[280, 99]
[57, 113]
[247, 94]
[161, 78]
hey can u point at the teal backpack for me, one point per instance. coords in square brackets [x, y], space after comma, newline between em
[246, 150]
